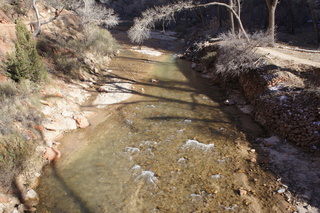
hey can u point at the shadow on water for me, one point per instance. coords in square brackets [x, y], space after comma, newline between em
[67, 190]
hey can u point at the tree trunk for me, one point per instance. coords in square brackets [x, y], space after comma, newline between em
[314, 21]
[231, 10]
[231, 18]
[38, 28]
[272, 5]
[292, 17]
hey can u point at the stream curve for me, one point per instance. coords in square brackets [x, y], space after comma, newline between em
[172, 147]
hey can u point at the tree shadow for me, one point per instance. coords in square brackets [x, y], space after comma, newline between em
[83, 208]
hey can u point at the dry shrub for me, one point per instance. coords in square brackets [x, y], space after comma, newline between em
[237, 56]
[17, 149]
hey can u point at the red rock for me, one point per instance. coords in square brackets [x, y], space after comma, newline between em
[51, 154]
[39, 127]
[82, 121]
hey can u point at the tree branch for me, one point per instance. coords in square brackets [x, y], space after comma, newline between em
[231, 10]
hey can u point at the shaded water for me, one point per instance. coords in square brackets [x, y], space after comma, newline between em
[170, 148]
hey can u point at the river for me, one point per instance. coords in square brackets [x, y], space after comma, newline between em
[172, 147]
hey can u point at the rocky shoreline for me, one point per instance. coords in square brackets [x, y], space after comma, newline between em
[283, 98]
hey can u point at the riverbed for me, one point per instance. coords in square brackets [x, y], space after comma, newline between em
[172, 147]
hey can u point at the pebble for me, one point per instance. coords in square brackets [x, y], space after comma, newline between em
[280, 191]
[242, 192]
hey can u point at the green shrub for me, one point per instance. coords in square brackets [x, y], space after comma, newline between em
[25, 63]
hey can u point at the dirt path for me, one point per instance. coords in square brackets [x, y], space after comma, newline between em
[286, 57]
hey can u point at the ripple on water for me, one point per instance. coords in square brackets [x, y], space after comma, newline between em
[147, 176]
[132, 150]
[196, 145]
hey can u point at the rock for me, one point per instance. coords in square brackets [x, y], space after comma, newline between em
[31, 194]
[243, 192]
[272, 141]
[248, 109]
[81, 121]
[31, 199]
[229, 102]
[51, 154]
[252, 150]
[38, 127]
[60, 124]
[47, 103]
[193, 65]
[280, 191]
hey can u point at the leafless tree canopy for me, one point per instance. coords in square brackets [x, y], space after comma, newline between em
[91, 13]
[88, 10]
[143, 25]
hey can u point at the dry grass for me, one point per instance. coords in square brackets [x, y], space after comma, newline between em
[18, 116]
[233, 55]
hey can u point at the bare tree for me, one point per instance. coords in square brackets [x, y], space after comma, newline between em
[272, 5]
[37, 30]
[89, 12]
[143, 25]
[231, 18]
[93, 14]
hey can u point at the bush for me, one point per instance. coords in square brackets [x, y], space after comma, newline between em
[15, 153]
[25, 63]
[18, 117]
[100, 42]
[7, 89]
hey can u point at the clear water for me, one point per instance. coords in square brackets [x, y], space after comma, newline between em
[171, 148]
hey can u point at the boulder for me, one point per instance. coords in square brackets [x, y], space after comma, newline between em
[82, 121]
[51, 154]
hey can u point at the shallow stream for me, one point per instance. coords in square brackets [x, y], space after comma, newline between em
[172, 147]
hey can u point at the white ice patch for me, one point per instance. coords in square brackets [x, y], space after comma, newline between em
[230, 208]
[149, 144]
[182, 160]
[113, 93]
[187, 121]
[146, 51]
[148, 176]
[196, 197]
[136, 168]
[132, 150]
[216, 176]
[193, 144]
